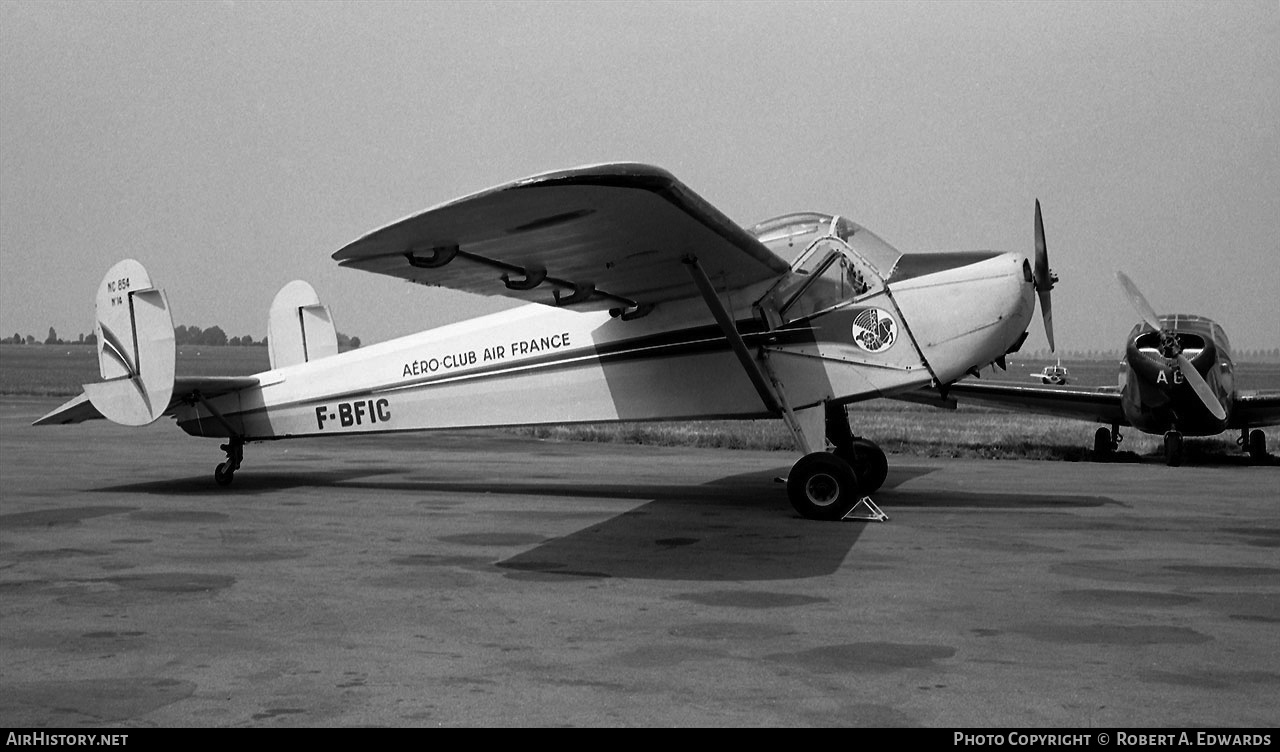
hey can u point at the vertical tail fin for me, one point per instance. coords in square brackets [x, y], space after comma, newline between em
[136, 354]
[299, 328]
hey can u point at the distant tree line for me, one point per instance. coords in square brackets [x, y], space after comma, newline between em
[182, 335]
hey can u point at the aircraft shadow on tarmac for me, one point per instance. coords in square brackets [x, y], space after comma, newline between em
[735, 528]
[731, 530]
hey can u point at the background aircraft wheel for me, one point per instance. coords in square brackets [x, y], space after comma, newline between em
[1257, 445]
[869, 464]
[223, 475]
[1173, 449]
[822, 486]
[1102, 443]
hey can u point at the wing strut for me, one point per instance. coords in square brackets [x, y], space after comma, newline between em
[769, 390]
[758, 380]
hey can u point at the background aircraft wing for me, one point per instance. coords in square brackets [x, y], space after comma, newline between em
[1100, 405]
[79, 409]
[1253, 409]
[614, 234]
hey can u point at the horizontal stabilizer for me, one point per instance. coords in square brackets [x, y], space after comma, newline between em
[185, 388]
[76, 410]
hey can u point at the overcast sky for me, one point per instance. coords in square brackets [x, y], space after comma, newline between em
[233, 146]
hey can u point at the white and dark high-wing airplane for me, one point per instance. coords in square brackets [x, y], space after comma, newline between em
[647, 303]
[1055, 374]
[1177, 378]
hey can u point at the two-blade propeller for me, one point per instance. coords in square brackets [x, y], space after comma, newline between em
[1043, 278]
[1170, 347]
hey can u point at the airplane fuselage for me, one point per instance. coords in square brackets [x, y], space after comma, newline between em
[525, 366]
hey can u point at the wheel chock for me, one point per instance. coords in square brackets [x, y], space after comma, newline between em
[866, 509]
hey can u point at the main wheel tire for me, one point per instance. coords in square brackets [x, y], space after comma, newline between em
[1257, 445]
[822, 486]
[223, 475]
[1102, 443]
[1173, 449]
[869, 464]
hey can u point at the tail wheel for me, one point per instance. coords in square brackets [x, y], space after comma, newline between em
[822, 486]
[223, 474]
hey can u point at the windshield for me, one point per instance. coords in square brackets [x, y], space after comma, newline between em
[882, 256]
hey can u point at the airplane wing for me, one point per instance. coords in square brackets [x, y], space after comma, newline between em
[604, 236]
[1100, 405]
[79, 409]
[1255, 409]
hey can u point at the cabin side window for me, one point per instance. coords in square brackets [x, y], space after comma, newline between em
[832, 280]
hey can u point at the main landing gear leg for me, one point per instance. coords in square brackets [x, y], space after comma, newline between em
[866, 457]
[834, 485]
[225, 472]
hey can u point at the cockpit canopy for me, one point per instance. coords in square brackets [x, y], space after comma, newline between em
[1189, 331]
[1151, 344]
[833, 261]
[791, 234]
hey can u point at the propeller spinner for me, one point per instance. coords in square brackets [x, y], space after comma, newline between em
[1171, 348]
[1043, 278]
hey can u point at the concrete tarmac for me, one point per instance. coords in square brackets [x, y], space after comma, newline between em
[479, 579]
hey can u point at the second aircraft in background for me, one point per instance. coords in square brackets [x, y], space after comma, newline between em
[1177, 379]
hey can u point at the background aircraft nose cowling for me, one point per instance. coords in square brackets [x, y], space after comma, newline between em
[1171, 346]
[967, 316]
[1161, 377]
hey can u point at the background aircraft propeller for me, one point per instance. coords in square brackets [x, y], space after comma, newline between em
[1043, 278]
[1171, 348]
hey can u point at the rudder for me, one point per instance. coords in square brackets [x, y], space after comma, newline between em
[299, 327]
[136, 352]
